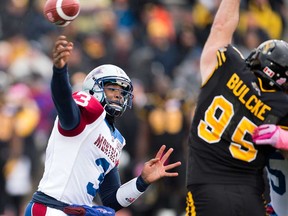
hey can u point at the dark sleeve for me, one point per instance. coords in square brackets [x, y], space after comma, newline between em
[108, 189]
[67, 109]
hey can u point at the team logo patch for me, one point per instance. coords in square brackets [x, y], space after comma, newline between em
[281, 81]
[268, 72]
[130, 200]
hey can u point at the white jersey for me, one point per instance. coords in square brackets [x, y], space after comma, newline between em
[77, 160]
[278, 180]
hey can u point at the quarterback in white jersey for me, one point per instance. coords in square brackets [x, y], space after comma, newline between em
[277, 167]
[84, 148]
[83, 165]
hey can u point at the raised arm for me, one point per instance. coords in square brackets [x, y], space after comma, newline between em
[221, 33]
[67, 109]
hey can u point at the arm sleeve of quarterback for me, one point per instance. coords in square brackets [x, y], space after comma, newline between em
[67, 109]
[117, 196]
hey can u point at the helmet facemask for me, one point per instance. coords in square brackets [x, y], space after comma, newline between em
[116, 108]
[270, 62]
[96, 81]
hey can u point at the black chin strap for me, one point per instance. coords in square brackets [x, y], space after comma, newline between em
[113, 112]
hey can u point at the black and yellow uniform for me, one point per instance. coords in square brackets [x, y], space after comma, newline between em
[223, 162]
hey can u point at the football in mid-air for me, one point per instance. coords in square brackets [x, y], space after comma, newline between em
[61, 12]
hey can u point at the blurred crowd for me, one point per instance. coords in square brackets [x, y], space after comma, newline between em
[158, 44]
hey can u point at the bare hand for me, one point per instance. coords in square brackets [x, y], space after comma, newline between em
[155, 169]
[61, 51]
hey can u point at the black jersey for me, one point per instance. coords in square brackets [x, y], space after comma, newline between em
[230, 106]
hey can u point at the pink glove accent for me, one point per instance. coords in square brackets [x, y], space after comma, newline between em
[269, 134]
[283, 139]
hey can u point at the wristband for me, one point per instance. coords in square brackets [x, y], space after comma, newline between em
[141, 184]
[128, 193]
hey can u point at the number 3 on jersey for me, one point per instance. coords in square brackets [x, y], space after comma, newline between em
[216, 120]
[83, 100]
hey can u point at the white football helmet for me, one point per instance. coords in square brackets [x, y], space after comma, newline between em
[95, 81]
